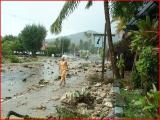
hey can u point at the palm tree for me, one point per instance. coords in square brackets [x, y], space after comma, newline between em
[68, 8]
[110, 43]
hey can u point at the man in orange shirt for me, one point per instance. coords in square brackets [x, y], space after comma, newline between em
[63, 67]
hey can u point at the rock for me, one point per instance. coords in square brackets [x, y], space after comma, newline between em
[56, 98]
[63, 97]
[119, 101]
[97, 108]
[68, 75]
[25, 66]
[108, 104]
[24, 80]
[103, 94]
[110, 113]
[114, 90]
[42, 85]
[99, 100]
[82, 105]
[118, 110]
[105, 109]
[97, 85]
[42, 82]
[41, 107]
[75, 73]
[89, 112]
[107, 100]
[79, 67]
[109, 85]
[7, 98]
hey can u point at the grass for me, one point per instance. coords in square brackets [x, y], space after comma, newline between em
[131, 110]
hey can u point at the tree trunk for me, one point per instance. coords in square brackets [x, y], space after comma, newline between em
[33, 53]
[111, 47]
[104, 53]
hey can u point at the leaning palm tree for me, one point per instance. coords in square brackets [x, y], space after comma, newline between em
[68, 8]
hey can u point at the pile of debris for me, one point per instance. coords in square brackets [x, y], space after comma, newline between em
[95, 101]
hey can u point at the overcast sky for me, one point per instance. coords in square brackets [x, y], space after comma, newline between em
[16, 15]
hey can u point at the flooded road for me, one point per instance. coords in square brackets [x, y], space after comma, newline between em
[33, 88]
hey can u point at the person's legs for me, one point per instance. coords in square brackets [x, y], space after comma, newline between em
[65, 74]
[62, 78]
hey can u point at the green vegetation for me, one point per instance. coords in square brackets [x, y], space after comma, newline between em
[9, 45]
[143, 103]
[123, 12]
[14, 59]
[32, 37]
[60, 45]
[132, 111]
[120, 64]
[142, 44]
[139, 106]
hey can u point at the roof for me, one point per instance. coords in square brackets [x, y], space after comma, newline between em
[149, 9]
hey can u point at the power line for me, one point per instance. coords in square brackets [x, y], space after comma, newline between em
[20, 17]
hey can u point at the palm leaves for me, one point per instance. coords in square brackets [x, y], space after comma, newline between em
[89, 4]
[67, 9]
[121, 24]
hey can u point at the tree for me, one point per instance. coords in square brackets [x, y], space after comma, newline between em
[7, 48]
[68, 8]
[58, 45]
[143, 43]
[72, 48]
[110, 42]
[123, 12]
[8, 38]
[65, 43]
[81, 44]
[32, 37]
[10, 44]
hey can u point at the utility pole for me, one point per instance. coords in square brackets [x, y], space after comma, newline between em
[104, 49]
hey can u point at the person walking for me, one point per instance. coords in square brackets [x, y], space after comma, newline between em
[63, 67]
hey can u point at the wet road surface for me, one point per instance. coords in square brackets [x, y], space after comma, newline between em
[23, 93]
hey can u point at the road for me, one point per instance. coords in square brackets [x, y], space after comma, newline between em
[32, 88]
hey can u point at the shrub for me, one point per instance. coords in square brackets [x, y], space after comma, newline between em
[136, 79]
[14, 59]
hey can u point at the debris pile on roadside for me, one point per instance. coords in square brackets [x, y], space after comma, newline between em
[94, 101]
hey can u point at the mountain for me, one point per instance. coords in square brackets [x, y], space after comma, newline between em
[75, 38]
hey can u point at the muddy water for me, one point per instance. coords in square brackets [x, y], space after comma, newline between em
[21, 94]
